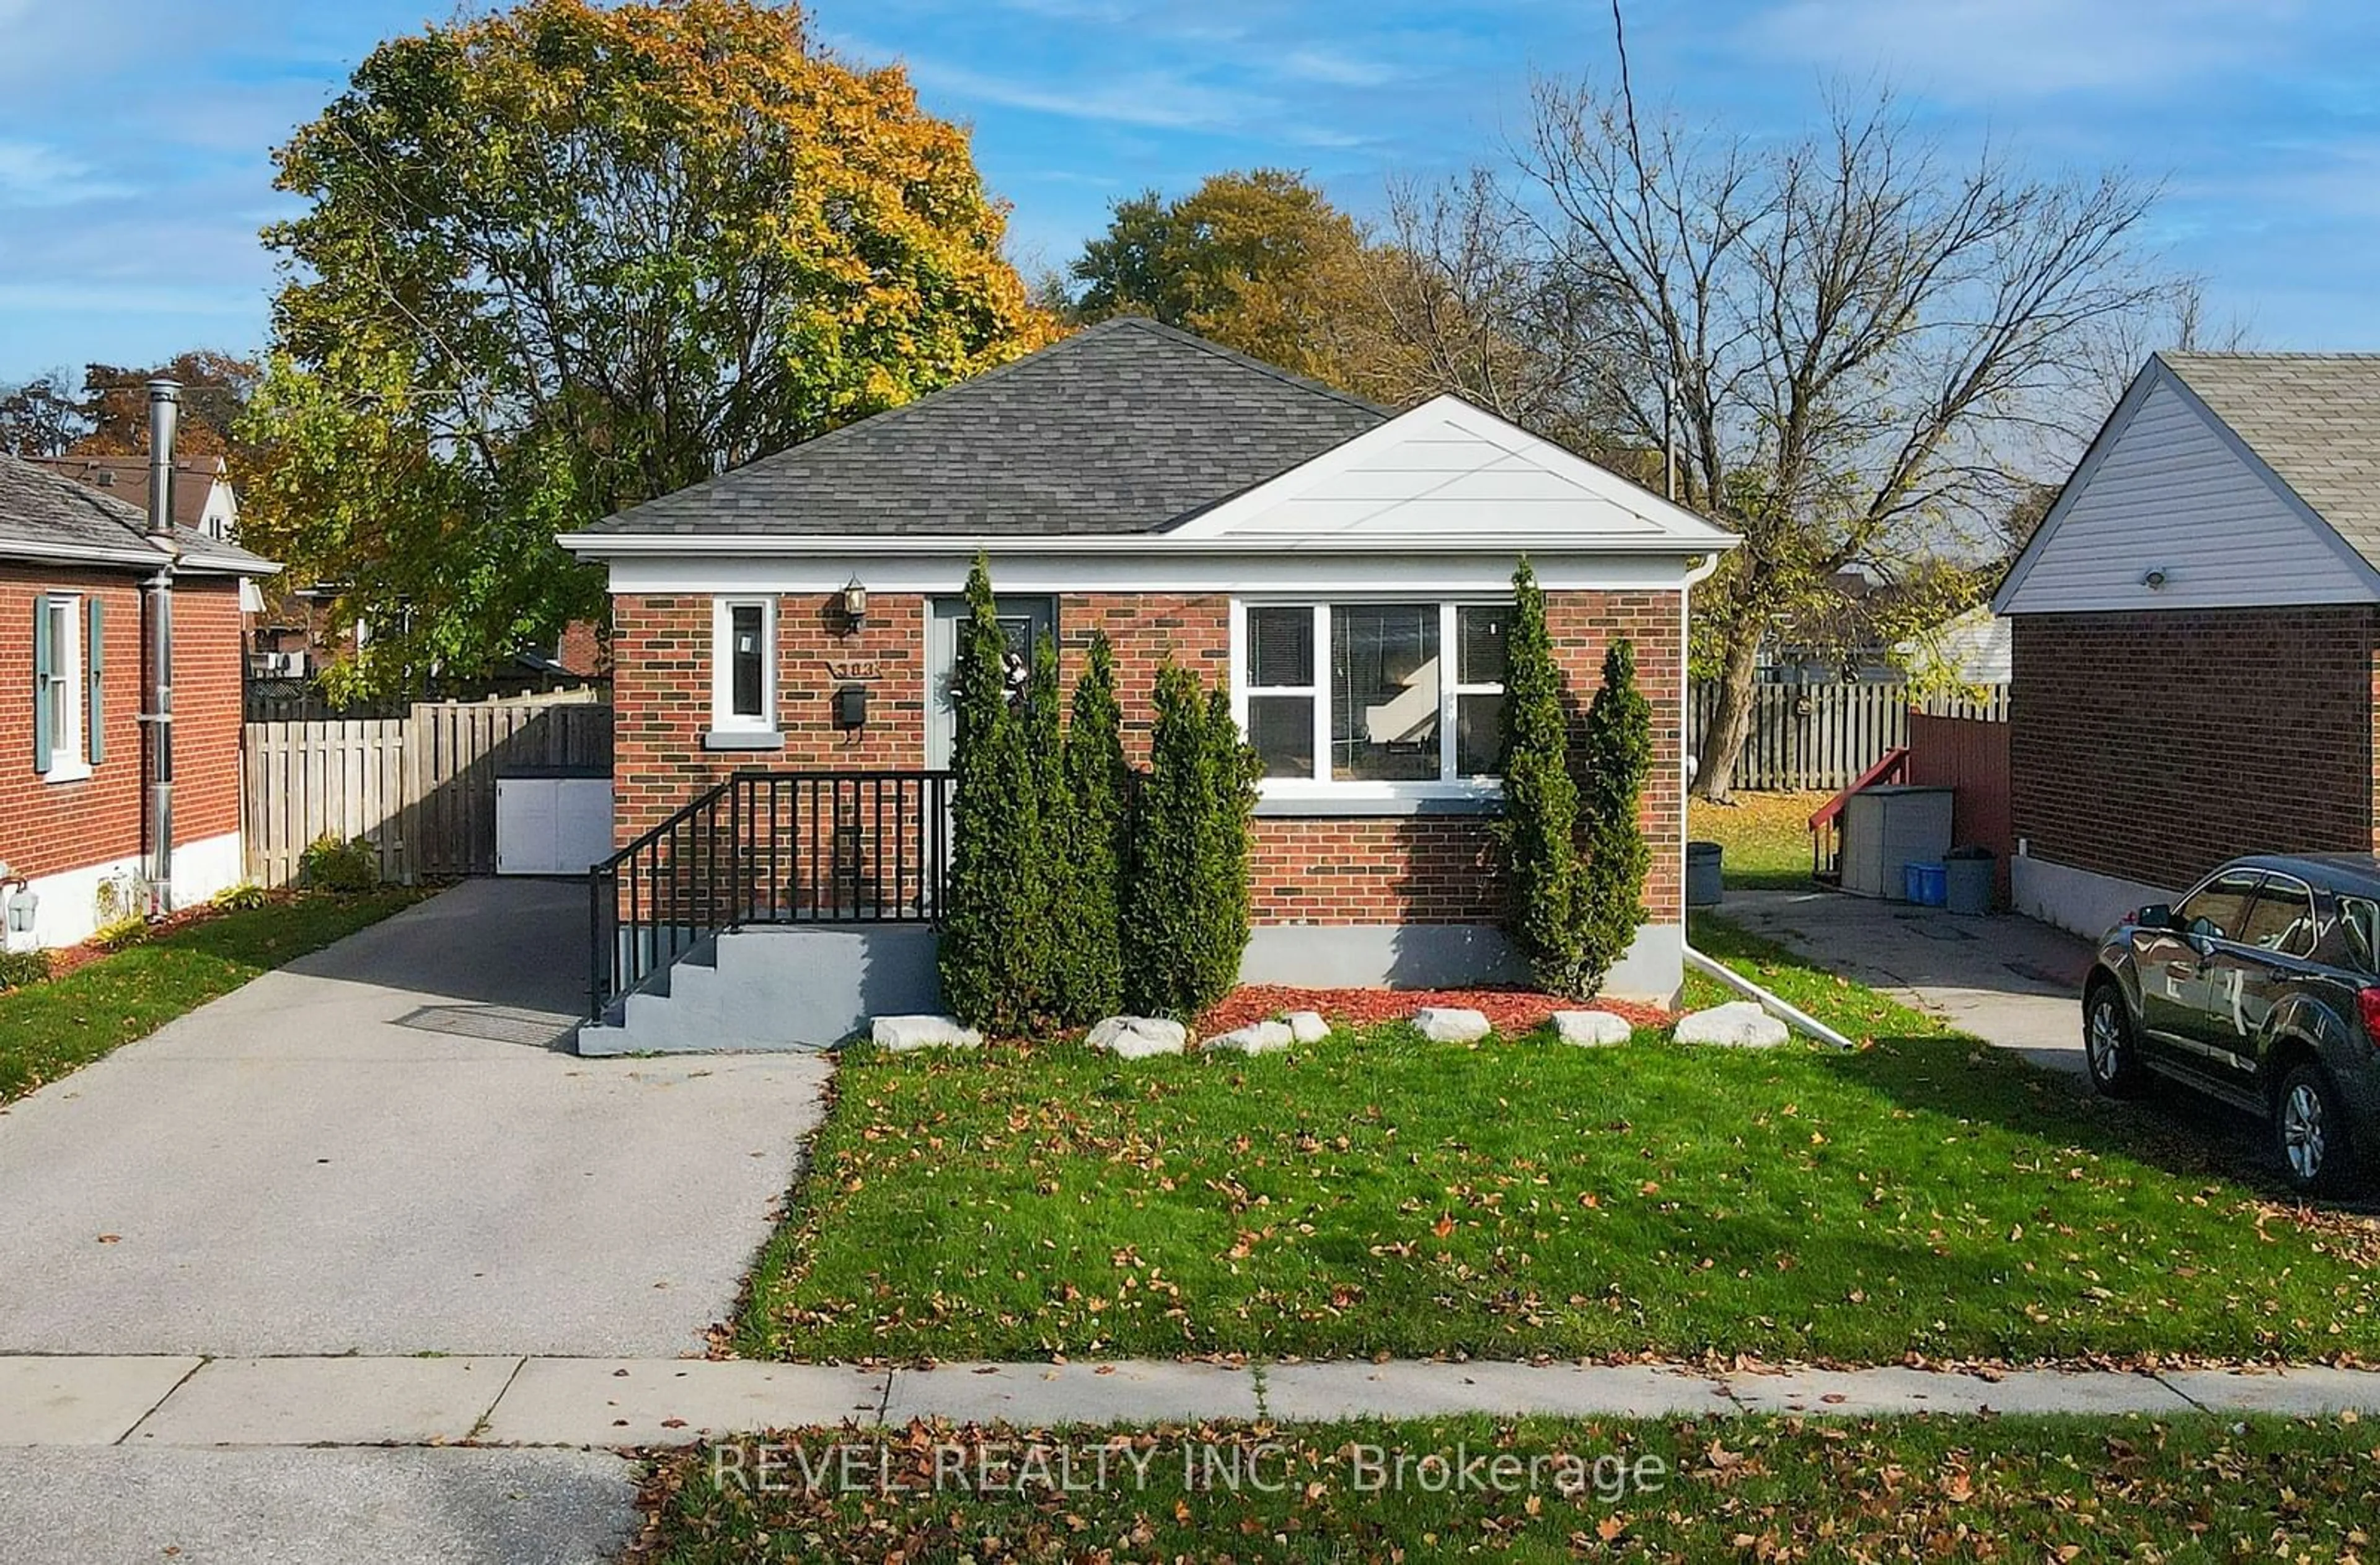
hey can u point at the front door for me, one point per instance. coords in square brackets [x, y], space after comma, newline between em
[1022, 621]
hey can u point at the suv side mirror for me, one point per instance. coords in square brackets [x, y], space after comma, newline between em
[2156, 916]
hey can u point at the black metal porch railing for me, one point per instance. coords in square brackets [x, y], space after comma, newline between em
[768, 847]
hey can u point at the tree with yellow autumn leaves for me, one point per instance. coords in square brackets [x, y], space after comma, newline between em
[562, 259]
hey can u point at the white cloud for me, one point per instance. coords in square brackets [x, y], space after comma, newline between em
[1155, 100]
[33, 174]
[1150, 98]
[1983, 50]
[1336, 69]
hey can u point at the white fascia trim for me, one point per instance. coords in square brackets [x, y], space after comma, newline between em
[135, 559]
[1345, 574]
[68, 553]
[616, 546]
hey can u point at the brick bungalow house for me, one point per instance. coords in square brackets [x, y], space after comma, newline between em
[73, 560]
[2195, 663]
[1344, 571]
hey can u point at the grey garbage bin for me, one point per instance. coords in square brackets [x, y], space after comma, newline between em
[1706, 884]
[1968, 881]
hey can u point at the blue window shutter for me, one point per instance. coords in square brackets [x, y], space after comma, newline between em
[95, 662]
[45, 661]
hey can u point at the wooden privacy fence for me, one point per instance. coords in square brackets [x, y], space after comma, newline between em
[420, 788]
[1821, 737]
[1969, 755]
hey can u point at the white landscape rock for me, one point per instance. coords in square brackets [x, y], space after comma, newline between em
[1257, 1037]
[902, 1034]
[1449, 1023]
[1308, 1026]
[1740, 1024]
[1138, 1037]
[1588, 1027]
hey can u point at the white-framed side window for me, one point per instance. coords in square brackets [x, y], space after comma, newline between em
[65, 685]
[1372, 696]
[743, 666]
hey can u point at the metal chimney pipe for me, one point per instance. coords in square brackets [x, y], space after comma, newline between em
[157, 661]
[164, 418]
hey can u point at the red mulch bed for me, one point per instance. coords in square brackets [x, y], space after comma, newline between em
[1507, 1010]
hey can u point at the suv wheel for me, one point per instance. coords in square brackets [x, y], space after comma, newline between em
[2309, 1132]
[2107, 1051]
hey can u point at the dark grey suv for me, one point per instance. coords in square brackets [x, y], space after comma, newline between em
[2262, 987]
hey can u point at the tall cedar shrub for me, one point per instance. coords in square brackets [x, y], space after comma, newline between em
[1233, 768]
[1039, 979]
[1611, 900]
[1539, 829]
[1186, 904]
[989, 954]
[1097, 782]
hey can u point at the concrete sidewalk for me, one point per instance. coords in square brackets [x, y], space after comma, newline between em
[164, 1403]
[2007, 980]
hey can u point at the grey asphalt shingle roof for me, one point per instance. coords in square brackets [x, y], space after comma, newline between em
[44, 512]
[1127, 427]
[2314, 419]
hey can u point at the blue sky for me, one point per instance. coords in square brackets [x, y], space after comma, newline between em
[134, 133]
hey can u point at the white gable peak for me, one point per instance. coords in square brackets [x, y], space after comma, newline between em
[1447, 472]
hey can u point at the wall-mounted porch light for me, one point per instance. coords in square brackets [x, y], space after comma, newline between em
[854, 605]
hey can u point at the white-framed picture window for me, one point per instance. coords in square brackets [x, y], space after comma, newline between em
[743, 666]
[1372, 696]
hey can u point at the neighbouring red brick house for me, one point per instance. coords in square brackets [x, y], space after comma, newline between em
[2195, 670]
[72, 564]
[1343, 571]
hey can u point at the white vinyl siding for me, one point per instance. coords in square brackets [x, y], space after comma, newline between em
[2169, 491]
[1446, 470]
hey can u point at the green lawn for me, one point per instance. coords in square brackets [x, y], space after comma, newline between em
[2190, 1488]
[1383, 1194]
[50, 1029]
[1766, 838]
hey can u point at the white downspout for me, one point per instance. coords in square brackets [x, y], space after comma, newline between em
[1710, 967]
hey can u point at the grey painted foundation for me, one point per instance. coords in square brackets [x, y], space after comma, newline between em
[812, 986]
[1440, 956]
[805, 988]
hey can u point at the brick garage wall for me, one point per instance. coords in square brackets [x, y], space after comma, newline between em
[661, 695]
[2153, 747]
[1307, 870]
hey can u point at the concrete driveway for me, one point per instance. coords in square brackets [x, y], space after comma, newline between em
[383, 1148]
[2005, 979]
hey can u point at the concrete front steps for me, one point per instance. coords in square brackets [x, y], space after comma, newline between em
[777, 987]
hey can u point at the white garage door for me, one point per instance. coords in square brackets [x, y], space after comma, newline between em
[553, 825]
